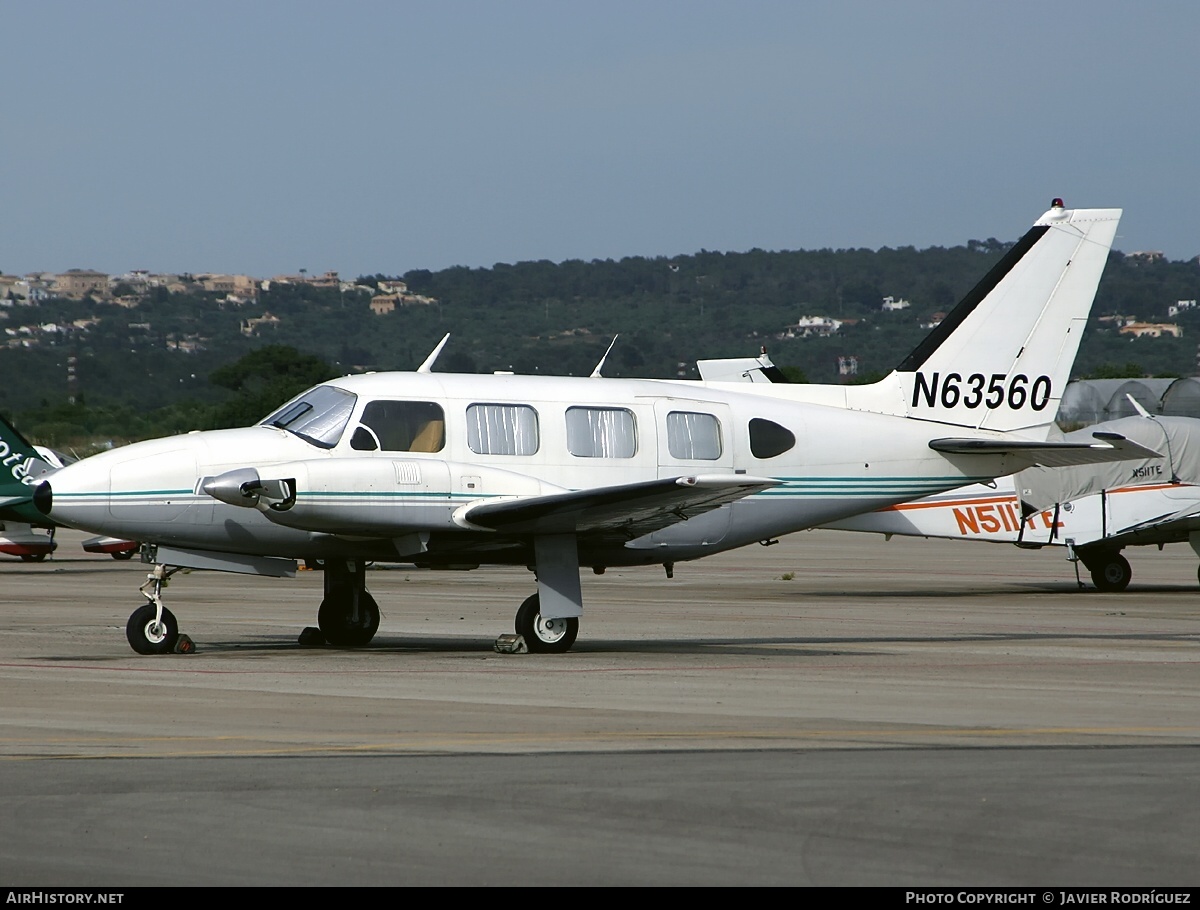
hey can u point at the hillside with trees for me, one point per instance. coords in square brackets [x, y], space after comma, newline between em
[177, 361]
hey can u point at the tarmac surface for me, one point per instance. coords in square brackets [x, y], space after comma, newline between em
[832, 710]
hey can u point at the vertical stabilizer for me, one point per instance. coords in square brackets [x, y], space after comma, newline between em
[1002, 358]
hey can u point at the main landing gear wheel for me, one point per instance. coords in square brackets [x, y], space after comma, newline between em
[1111, 572]
[149, 637]
[122, 554]
[33, 557]
[545, 636]
[342, 624]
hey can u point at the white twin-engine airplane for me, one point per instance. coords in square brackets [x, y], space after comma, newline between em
[456, 471]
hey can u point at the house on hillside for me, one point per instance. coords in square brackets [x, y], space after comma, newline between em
[75, 284]
[812, 327]
[252, 325]
[384, 303]
[1150, 329]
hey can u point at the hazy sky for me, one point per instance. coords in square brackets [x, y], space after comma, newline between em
[265, 137]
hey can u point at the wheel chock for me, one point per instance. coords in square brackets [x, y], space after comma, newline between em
[312, 637]
[511, 644]
[184, 645]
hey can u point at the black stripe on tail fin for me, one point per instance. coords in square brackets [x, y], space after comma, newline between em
[967, 305]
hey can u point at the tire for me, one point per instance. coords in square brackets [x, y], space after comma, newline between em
[145, 638]
[1111, 573]
[122, 554]
[334, 619]
[33, 557]
[554, 636]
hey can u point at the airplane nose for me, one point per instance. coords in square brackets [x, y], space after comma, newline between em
[43, 497]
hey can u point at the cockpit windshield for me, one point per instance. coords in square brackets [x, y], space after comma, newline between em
[318, 416]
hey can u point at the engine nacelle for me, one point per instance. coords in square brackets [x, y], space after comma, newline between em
[368, 497]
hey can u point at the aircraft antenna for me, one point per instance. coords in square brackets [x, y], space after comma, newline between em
[1166, 437]
[427, 366]
[1137, 406]
[600, 365]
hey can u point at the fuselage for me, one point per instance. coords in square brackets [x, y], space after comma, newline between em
[378, 458]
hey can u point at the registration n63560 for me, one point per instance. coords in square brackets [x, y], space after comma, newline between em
[976, 390]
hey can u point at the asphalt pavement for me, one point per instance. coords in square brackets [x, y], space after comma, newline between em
[833, 710]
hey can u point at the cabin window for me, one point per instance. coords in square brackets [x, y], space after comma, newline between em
[768, 439]
[502, 429]
[318, 416]
[400, 426]
[692, 436]
[601, 433]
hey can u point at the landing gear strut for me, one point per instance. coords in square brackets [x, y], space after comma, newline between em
[348, 616]
[152, 628]
[556, 564]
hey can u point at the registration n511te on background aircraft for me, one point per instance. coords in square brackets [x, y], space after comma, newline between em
[1094, 511]
[557, 473]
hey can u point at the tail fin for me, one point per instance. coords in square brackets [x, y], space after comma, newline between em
[1003, 356]
[21, 468]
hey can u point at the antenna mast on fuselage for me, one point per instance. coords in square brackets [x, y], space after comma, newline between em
[427, 365]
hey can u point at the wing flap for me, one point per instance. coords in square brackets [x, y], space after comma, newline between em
[628, 510]
[1185, 514]
[1051, 454]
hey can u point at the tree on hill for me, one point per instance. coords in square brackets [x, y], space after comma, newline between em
[263, 380]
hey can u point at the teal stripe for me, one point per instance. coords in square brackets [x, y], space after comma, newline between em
[401, 494]
[106, 494]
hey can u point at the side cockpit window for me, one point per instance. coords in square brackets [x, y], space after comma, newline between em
[400, 426]
[768, 439]
[318, 416]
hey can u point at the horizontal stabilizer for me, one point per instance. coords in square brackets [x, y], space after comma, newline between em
[628, 510]
[1051, 454]
[740, 369]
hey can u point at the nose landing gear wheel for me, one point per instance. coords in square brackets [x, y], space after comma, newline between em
[149, 637]
[545, 636]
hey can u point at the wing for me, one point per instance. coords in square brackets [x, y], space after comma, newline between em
[1110, 447]
[1175, 526]
[627, 510]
